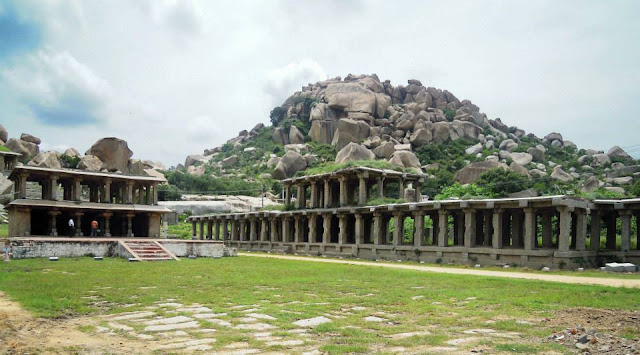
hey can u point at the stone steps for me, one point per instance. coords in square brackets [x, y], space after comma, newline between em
[147, 251]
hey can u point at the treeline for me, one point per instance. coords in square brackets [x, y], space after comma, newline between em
[181, 183]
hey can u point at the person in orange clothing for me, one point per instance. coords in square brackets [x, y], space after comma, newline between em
[94, 228]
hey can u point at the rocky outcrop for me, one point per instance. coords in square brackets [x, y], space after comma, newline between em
[349, 131]
[561, 175]
[617, 153]
[473, 171]
[113, 152]
[351, 97]
[290, 163]
[138, 167]
[4, 134]
[295, 136]
[30, 138]
[26, 149]
[90, 163]
[354, 152]
[229, 161]
[196, 158]
[384, 150]
[72, 152]
[405, 159]
[280, 136]
[49, 159]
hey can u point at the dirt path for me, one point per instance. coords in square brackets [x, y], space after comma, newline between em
[598, 281]
[21, 333]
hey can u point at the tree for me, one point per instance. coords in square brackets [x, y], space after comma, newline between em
[501, 182]
[276, 115]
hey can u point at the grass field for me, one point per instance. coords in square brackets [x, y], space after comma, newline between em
[432, 308]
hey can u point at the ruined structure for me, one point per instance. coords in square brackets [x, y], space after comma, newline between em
[557, 231]
[8, 161]
[123, 205]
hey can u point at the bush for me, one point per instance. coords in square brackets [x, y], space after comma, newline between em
[635, 189]
[276, 115]
[69, 161]
[384, 201]
[500, 182]
[449, 114]
[331, 166]
[464, 192]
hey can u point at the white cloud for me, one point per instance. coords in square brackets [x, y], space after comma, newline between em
[282, 82]
[203, 128]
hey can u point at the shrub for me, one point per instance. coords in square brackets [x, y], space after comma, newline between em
[500, 182]
[276, 115]
[464, 192]
[449, 114]
[635, 189]
[69, 161]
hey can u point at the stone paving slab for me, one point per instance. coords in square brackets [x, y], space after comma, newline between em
[312, 322]
[165, 327]
[171, 320]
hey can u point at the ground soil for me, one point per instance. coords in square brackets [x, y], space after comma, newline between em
[604, 320]
[21, 333]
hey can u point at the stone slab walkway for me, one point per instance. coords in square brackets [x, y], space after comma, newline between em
[597, 281]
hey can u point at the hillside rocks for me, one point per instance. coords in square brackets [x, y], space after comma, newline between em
[353, 152]
[49, 159]
[405, 159]
[295, 136]
[473, 171]
[113, 152]
[195, 158]
[72, 152]
[90, 163]
[29, 138]
[280, 136]
[561, 175]
[289, 165]
[618, 153]
[521, 158]
[349, 131]
[26, 149]
[4, 134]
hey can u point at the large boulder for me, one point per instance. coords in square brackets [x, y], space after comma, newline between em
[323, 123]
[405, 159]
[474, 149]
[72, 152]
[30, 138]
[229, 161]
[617, 153]
[27, 149]
[154, 173]
[440, 132]
[290, 163]
[553, 136]
[464, 130]
[192, 159]
[4, 134]
[601, 159]
[521, 158]
[113, 152]
[350, 131]
[354, 152]
[421, 137]
[280, 136]
[295, 136]
[382, 103]
[537, 154]
[561, 175]
[90, 163]
[352, 97]
[138, 167]
[49, 159]
[384, 150]
[473, 171]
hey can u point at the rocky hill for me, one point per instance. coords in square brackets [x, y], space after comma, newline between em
[361, 118]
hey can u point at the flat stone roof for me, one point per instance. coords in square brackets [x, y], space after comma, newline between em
[356, 169]
[74, 172]
[10, 153]
[88, 206]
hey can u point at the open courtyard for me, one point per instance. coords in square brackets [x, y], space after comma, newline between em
[254, 304]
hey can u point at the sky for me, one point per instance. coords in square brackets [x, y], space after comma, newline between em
[176, 77]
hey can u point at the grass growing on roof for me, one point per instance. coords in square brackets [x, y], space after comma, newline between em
[331, 167]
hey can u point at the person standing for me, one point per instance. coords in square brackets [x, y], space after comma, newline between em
[94, 228]
[72, 226]
[6, 251]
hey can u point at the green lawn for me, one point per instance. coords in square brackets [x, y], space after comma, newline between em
[444, 305]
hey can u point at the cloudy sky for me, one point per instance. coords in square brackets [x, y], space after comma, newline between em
[176, 77]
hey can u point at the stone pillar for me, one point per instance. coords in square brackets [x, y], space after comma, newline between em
[625, 241]
[516, 230]
[359, 229]
[129, 193]
[342, 226]
[225, 229]
[201, 231]
[443, 228]
[530, 224]
[418, 228]
[611, 230]
[297, 233]
[401, 188]
[312, 228]
[287, 194]
[564, 239]
[326, 226]
[234, 229]
[216, 230]
[78, 224]
[106, 198]
[263, 229]
[487, 219]
[498, 224]
[327, 194]
[380, 187]
[130, 225]
[194, 231]
[285, 229]
[314, 195]
[398, 228]
[53, 188]
[596, 220]
[377, 229]
[302, 198]
[418, 188]
[253, 230]
[209, 229]
[362, 190]
[344, 193]
[547, 231]
[243, 229]
[581, 230]
[22, 186]
[469, 228]
[107, 224]
[274, 229]
[53, 216]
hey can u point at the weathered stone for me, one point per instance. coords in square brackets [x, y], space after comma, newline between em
[497, 124]
[464, 130]
[626, 180]
[295, 136]
[508, 145]
[30, 138]
[615, 189]
[113, 152]
[4, 134]
[474, 149]
[354, 152]
[195, 158]
[473, 171]
[298, 148]
[383, 101]
[280, 136]
[350, 131]
[421, 137]
[490, 145]
[405, 124]
[618, 153]
[521, 158]
[272, 162]
[49, 159]
[350, 97]
[90, 163]
[591, 184]
[405, 159]
[256, 129]
[440, 132]
[27, 149]
[196, 170]
[537, 154]
[229, 161]
[312, 322]
[553, 136]
[289, 164]
[538, 173]
[518, 168]
[137, 167]
[154, 173]
[384, 150]
[72, 152]
[601, 160]
[561, 175]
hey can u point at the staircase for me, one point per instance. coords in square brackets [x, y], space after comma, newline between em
[143, 250]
